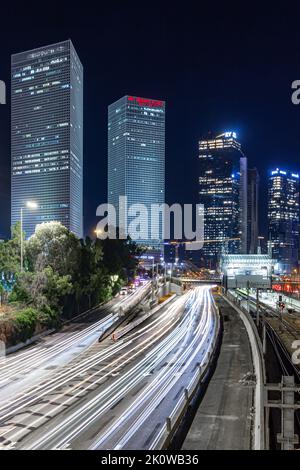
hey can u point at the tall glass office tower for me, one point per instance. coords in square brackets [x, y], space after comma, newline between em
[253, 200]
[136, 159]
[283, 217]
[47, 136]
[223, 192]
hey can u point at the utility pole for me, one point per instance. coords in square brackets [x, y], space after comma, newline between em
[21, 235]
[29, 205]
[264, 338]
[248, 295]
[257, 307]
[287, 404]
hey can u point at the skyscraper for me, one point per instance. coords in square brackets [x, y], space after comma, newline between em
[46, 136]
[4, 176]
[283, 218]
[253, 198]
[136, 159]
[223, 192]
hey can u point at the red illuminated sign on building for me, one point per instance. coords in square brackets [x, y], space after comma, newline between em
[146, 102]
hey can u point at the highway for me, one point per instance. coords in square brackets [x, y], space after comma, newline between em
[20, 370]
[117, 395]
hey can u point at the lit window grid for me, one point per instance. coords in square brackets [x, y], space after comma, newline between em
[219, 192]
[136, 157]
[283, 217]
[42, 125]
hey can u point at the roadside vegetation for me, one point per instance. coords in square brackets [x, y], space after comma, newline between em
[62, 277]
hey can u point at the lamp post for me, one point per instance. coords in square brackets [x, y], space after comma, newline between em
[32, 206]
[98, 232]
[170, 271]
[165, 271]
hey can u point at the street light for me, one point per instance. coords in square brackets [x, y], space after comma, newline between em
[31, 205]
[98, 232]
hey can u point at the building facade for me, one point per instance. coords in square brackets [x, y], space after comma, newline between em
[253, 221]
[136, 162]
[247, 271]
[283, 219]
[174, 252]
[47, 136]
[223, 192]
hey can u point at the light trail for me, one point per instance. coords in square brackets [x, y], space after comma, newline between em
[113, 393]
[166, 332]
[76, 371]
[113, 349]
[170, 344]
[166, 379]
[37, 360]
[34, 358]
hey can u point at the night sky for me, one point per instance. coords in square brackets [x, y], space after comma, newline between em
[219, 69]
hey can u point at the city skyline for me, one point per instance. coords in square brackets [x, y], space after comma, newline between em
[245, 103]
[149, 231]
[129, 110]
[86, 231]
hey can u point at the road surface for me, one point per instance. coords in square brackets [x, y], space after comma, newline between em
[117, 395]
[22, 369]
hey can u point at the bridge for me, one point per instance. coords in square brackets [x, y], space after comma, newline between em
[195, 281]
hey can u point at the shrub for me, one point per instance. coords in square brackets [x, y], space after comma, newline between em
[26, 322]
[49, 318]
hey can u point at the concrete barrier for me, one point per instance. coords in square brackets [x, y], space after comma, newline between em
[140, 320]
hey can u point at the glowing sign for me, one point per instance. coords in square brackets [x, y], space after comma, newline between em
[146, 102]
[293, 175]
[230, 134]
[275, 172]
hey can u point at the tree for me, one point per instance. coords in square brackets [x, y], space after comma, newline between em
[53, 245]
[62, 271]
[10, 259]
[121, 256]
[44, 288]
[2, 293]
[92, 277]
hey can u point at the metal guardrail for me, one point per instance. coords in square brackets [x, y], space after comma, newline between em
[140, 320]
[126, 313]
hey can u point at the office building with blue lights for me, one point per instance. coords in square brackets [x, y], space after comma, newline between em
[47, 136]
[283, 219]
[136, 160]
[252, 211]
[223, 192]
